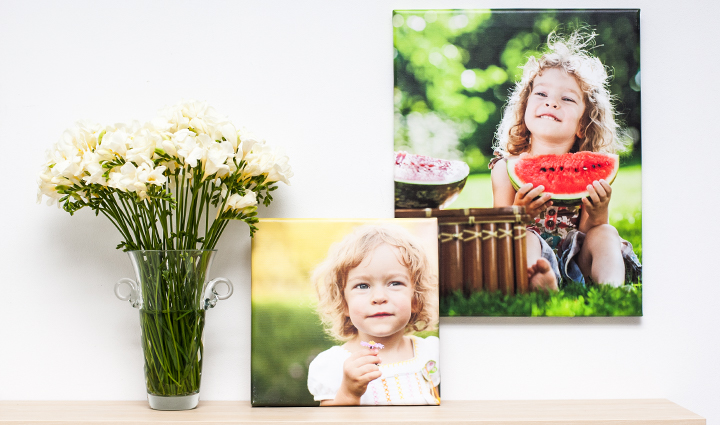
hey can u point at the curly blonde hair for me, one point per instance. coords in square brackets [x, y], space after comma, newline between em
[330, 278]
[600, 131]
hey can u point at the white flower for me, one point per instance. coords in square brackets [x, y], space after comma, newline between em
[169, 147]
[217, 156]
[263, 160]
[188, 148]
[125, 179]
[258, 160]
[281, 170]
[114, 143]
[48, 188]
[147, 174]
[189, 114]
[228, 132]
[196, 109]
[142, 146]
[91, 161]
[69, 167]
[66, 160]
[184, 142]
[179, 136]
[239, 203]
[83, 135]
[171, 119]
[199, 125]
[247, 141]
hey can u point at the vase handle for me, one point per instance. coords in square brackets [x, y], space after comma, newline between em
[133, 296]
[211, 295]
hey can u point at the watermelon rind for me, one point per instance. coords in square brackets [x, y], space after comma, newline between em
[426, 195]
[431, 194]
[561, 199]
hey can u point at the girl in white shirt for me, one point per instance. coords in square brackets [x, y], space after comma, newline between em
[374, 288]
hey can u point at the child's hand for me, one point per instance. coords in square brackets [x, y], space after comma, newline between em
[358, 370]
[597, 205]
[525, 197]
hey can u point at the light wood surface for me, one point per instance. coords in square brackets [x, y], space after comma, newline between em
[595, 412]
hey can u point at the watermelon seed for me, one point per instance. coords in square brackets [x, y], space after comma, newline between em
[585, 168]
[543, 169]
[561, 168]
[552, 169]
[576, 170]
[593, 166]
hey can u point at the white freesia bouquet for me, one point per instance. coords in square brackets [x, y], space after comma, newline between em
[172, 183]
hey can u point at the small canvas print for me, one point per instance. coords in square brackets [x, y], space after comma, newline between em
[345, 312]
[520, 131]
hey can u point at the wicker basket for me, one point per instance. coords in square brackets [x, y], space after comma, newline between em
[480, 249]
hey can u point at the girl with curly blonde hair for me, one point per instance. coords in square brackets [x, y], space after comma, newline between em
[374, 288]
[562, 104]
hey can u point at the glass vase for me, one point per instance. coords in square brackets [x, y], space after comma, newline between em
[172, 292]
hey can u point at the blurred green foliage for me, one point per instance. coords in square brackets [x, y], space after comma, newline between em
[285, 339]
[460, 65]
[573, 300]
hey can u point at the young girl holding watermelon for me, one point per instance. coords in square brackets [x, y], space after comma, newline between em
[562, 105]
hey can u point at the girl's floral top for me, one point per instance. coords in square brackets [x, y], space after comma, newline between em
[554, 223]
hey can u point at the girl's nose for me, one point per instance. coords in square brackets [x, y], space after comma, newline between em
[379, 296]
[551, 104]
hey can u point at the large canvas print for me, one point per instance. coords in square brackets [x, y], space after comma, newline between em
[520, 130]
[345, 312]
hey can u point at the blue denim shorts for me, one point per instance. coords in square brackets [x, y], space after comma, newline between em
[566, 268]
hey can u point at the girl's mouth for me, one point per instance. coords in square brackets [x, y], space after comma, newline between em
[381, 314]
[550, 117]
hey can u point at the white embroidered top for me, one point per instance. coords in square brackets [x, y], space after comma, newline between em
[401, 383]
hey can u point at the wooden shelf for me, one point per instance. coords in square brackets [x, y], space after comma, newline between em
[600, 412]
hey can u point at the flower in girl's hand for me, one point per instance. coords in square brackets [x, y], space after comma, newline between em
[430, 371]
[372, 344]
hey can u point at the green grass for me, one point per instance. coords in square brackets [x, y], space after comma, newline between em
[575, 299]
[477, 193]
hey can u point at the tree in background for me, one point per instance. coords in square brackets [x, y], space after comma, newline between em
[454, 70]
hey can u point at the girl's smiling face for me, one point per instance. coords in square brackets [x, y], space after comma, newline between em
[379, 293]
[554, 108]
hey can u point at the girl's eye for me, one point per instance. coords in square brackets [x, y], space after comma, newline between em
[362, 286]
[569, 99]
[541, 94]
[397, 283]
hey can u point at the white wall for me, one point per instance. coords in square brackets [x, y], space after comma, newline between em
[316, 78]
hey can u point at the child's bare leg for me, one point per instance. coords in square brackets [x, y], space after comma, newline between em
[600, 256]
[540, 273]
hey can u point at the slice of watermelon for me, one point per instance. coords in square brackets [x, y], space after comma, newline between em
[425, 182]
[564, 176]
